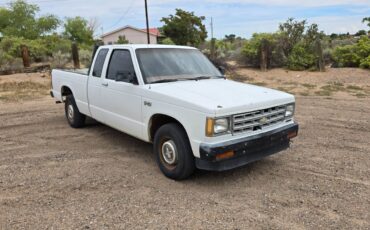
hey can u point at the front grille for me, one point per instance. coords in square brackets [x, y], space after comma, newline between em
[257, 120]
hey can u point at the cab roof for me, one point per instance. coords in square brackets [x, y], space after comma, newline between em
[146, 46]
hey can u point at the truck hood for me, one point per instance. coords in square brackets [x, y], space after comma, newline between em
[219, 96]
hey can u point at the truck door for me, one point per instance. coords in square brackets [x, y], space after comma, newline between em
[95, 84]
[121, 93]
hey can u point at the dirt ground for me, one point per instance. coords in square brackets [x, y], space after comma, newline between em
[53, 176]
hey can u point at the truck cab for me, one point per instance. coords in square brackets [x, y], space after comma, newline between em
[175, 98]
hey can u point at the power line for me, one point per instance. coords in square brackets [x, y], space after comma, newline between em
[123, 16]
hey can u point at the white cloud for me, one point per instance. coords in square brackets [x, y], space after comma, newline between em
[305, 3]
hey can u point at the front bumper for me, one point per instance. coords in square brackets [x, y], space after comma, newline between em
[246, 150]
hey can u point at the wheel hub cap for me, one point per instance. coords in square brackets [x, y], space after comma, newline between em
[169, 152]
[70, 112]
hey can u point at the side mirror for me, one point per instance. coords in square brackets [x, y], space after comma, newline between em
[127, 76]
[133, 79]
[222, 70]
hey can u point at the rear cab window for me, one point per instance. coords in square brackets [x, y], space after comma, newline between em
[99, 63]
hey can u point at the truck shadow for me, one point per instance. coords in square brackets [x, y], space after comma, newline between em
[140, 151]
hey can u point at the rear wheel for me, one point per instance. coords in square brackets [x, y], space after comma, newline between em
[173, 152]
[73, 115]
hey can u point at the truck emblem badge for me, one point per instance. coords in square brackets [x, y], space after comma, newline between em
[147, 103]
[263, 121]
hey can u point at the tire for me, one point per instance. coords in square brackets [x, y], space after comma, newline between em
[74, 117]
[173, 137]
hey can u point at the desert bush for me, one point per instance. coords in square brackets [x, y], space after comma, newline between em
[167, 41]
[55, 43]
[301, 58]
[356, 55]
[4, 58]
[85, 57]
[252, 49]
[60, 60]
[365, 63]
[346, 56]
[38, 50]
[12, 47]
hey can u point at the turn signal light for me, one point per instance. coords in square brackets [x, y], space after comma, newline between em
[225, 155]
[209, 127]
[292, 135]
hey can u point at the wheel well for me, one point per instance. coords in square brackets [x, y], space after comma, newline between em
[157, 121]
[66, 91]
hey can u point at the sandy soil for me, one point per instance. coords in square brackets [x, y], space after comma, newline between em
[53, 176]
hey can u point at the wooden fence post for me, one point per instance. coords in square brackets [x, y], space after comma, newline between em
[25, 56]
[264, 55]
[319, 55]
[75, 56]
[213, 49]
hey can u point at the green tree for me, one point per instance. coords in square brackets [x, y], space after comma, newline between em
[361, 33]
[122, 40]
[77, 29]
[230, 38]
[366, 20]
[291, 32]
[184, 28]
[19, 20]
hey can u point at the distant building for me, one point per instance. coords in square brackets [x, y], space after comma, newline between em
[132, 34]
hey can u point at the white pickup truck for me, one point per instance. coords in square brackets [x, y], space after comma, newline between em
[175, 98]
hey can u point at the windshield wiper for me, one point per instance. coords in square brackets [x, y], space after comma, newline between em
[164, 81]
[204, 78]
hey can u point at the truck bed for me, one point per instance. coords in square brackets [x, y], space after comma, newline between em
[73, 80]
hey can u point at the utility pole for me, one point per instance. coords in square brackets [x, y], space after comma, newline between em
[147, 21]
[212, 28]
[212, 42]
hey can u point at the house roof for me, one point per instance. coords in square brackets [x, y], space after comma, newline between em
[152, 31]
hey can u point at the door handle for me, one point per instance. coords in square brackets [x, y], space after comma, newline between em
[104, 84]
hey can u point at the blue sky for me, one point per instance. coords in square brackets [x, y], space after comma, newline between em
[240, 17]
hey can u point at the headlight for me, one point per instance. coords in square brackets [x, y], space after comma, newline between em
[216, 126]
[221, 125]
[289, 110]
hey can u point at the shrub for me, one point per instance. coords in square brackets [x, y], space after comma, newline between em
[346, 56]
[55, 43]
[4, 58]
[85, 57]
[122, 40]
[37, 49]
[356, 55]
[60, 60]
[167, 41]
[365, 63]
[12, 47]
[301, 58]
[252, 48]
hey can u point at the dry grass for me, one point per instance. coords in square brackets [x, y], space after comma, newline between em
[354, 87]
[309, 86]
[325, 93]
[17, 91]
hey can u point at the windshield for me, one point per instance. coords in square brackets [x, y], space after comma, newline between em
[173, 64]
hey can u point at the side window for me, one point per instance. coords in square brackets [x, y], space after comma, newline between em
[120, 67]
[99, 63]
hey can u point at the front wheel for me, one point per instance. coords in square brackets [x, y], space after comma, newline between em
[73, 115]
[173, 152]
